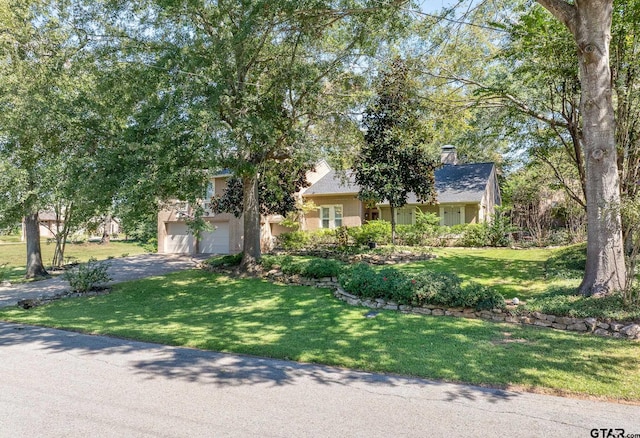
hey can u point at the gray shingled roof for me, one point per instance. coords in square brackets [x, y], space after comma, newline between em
[332, 184]
[454, 183]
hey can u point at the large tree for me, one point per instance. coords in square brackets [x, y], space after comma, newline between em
[254, 72]
[589, 22]
[393, 161]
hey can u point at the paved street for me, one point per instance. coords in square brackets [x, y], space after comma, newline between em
[120, 269]
[62, 384]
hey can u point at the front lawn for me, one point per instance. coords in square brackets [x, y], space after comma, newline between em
[203, 310]
[512, 272]
[14, 255]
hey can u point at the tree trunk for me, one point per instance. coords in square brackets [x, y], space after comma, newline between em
[35, 267]
[251, 213]
[106, 230]
[590, 23]
[393, 224]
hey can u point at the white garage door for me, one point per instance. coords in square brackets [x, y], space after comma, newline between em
[178, 238]
[216, 241]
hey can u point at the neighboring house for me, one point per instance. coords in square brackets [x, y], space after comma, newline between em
[466, 193]
[50, 225]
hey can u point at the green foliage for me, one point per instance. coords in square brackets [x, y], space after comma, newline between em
[567, 263]
[294, 240]
[499, 228]
[4, 271]
[342, 236]
[475, 235]
[224, 261]
[564, 302]
[393, 162]
[87, 276]
[377, 231]
[310, 267]
[418, 289]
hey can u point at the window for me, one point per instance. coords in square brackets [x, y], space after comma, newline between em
[330, 216]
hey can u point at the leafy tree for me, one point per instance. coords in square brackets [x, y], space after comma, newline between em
[278, 184]
[393, 162]
[254, 73]
[579, 119]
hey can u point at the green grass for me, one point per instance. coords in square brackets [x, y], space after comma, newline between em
[512, 272]
[14, 255]
[202, 310]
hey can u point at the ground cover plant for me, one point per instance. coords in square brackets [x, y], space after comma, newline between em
[14, 255]
[545, 278]
[252, 316]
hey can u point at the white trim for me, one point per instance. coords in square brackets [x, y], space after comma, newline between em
[331, 218]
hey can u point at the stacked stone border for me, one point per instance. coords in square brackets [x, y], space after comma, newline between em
[511, 314]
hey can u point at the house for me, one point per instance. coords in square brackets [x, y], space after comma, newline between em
[52, 224]
[466, 193]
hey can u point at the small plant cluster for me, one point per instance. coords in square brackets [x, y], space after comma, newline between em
[87, 276]
[564, 302]
[442, 289]
[225, 261]
[310, 267]
[425, 232]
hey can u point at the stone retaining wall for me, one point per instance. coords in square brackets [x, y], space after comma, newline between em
[510, 315]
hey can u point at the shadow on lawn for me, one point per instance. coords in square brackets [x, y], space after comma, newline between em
[309, 325]
[151, 361]
[513, 276]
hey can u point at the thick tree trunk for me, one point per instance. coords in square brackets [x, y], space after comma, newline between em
[590, 23]
[35, 267]
[605, 269]
[251, 213]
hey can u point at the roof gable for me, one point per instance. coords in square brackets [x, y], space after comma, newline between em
[454, 183]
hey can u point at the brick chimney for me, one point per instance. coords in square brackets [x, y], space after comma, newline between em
[449, 155]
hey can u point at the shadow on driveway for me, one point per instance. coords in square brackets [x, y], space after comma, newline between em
[120, 269]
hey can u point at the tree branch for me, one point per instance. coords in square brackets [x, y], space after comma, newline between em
[562, 10]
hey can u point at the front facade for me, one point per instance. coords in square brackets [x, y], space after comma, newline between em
[466, 193]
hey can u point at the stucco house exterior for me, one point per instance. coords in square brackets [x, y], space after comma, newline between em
[466, 193]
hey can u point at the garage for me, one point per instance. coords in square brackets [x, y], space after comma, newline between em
[215, 241]
[178, 238]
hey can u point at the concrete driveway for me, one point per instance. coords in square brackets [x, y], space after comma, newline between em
[120, 269]
[62, 384]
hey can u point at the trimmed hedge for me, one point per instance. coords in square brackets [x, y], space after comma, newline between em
[426, 287]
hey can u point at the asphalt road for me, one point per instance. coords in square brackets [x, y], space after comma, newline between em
[61, 384]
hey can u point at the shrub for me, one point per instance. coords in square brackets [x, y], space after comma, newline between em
[321, 237]
[320, 268]
[294, 240]
[475, 235]
[361, 280]
[483, 298]
[441, 289]
[500, 228]
[435, 288]
[224, 261]
[87, 276]
[378, 231]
